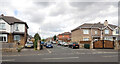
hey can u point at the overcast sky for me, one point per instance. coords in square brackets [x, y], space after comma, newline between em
[53, 17]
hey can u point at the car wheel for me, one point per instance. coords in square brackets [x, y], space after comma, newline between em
[72, 47]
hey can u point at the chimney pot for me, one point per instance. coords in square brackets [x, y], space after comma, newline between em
[98, 22]
[106, 23]
[2, 14]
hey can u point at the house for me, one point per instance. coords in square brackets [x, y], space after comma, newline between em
[49, 39]
[66, 37]
[12, 29]
[96, 31]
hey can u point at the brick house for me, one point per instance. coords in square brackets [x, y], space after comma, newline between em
[66, 37]
[89, 31]
[12, 29]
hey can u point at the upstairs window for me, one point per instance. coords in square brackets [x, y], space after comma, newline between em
[16, 27]
[85, 31]
[106, 31]
[117, 31]
[95, 32]
[2, 26]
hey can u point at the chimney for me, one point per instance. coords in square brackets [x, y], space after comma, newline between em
[99, 23]
[106, 23]
[2, 14]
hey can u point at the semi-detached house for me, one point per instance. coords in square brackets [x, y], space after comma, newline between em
[12, 29]
[89, 31]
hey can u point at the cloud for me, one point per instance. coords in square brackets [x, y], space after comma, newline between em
[50, 18]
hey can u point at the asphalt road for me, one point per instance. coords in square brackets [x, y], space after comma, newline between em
[62, 54]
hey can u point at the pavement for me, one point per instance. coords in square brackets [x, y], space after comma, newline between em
[62, 54]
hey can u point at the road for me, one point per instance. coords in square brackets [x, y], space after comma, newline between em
[63, 54]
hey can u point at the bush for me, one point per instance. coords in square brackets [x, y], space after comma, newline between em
[19, 49]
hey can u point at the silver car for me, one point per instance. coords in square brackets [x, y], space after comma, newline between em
[29, 44]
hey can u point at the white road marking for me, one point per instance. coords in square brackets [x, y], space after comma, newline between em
[111, 56]
[49, 51]
[106, 52]
[8, 60]
[62, 58]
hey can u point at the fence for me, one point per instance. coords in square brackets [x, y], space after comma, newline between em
[103, 44]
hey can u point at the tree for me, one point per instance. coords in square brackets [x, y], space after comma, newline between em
[36, 37]
[43, 40]
[54, 37]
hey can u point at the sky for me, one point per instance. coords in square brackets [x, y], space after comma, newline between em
[52, 17]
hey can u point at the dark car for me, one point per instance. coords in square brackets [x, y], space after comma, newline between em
[74, 45]
[49, 45]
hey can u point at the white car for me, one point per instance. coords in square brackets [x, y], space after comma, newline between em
[66, 44]
[54, 42]
[63, 43]
[29, 44]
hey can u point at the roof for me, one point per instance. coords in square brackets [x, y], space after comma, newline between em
[65, 33]
[95, 25]
[11, 20]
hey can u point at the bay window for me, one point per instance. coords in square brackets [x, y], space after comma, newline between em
[3, 38]
[16, 37]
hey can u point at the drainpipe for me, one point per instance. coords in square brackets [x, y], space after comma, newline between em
[91, 43]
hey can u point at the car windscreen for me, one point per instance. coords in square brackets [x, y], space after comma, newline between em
[75, 43]
[29, 42]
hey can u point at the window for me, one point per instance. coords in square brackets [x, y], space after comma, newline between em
[16, 37]
[95, 32]
[3, 38]
[85, 31]
[16, 27]
[108, 38]
[2, 26]
[85, 39]
[117, 31]
[106, 31]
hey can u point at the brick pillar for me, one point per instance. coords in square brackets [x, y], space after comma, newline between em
[91, 44]
[38, 45]
[116, 45]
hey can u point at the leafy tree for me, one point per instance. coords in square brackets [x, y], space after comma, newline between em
[54, 37]
[36, 37]
[43, 40]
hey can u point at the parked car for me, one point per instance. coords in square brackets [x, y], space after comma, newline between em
[49, 45]
[59, 42]
[45, 43]
[62, 43]
[54, 42]
[65, 44]
[29, 44]
[74, 45]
